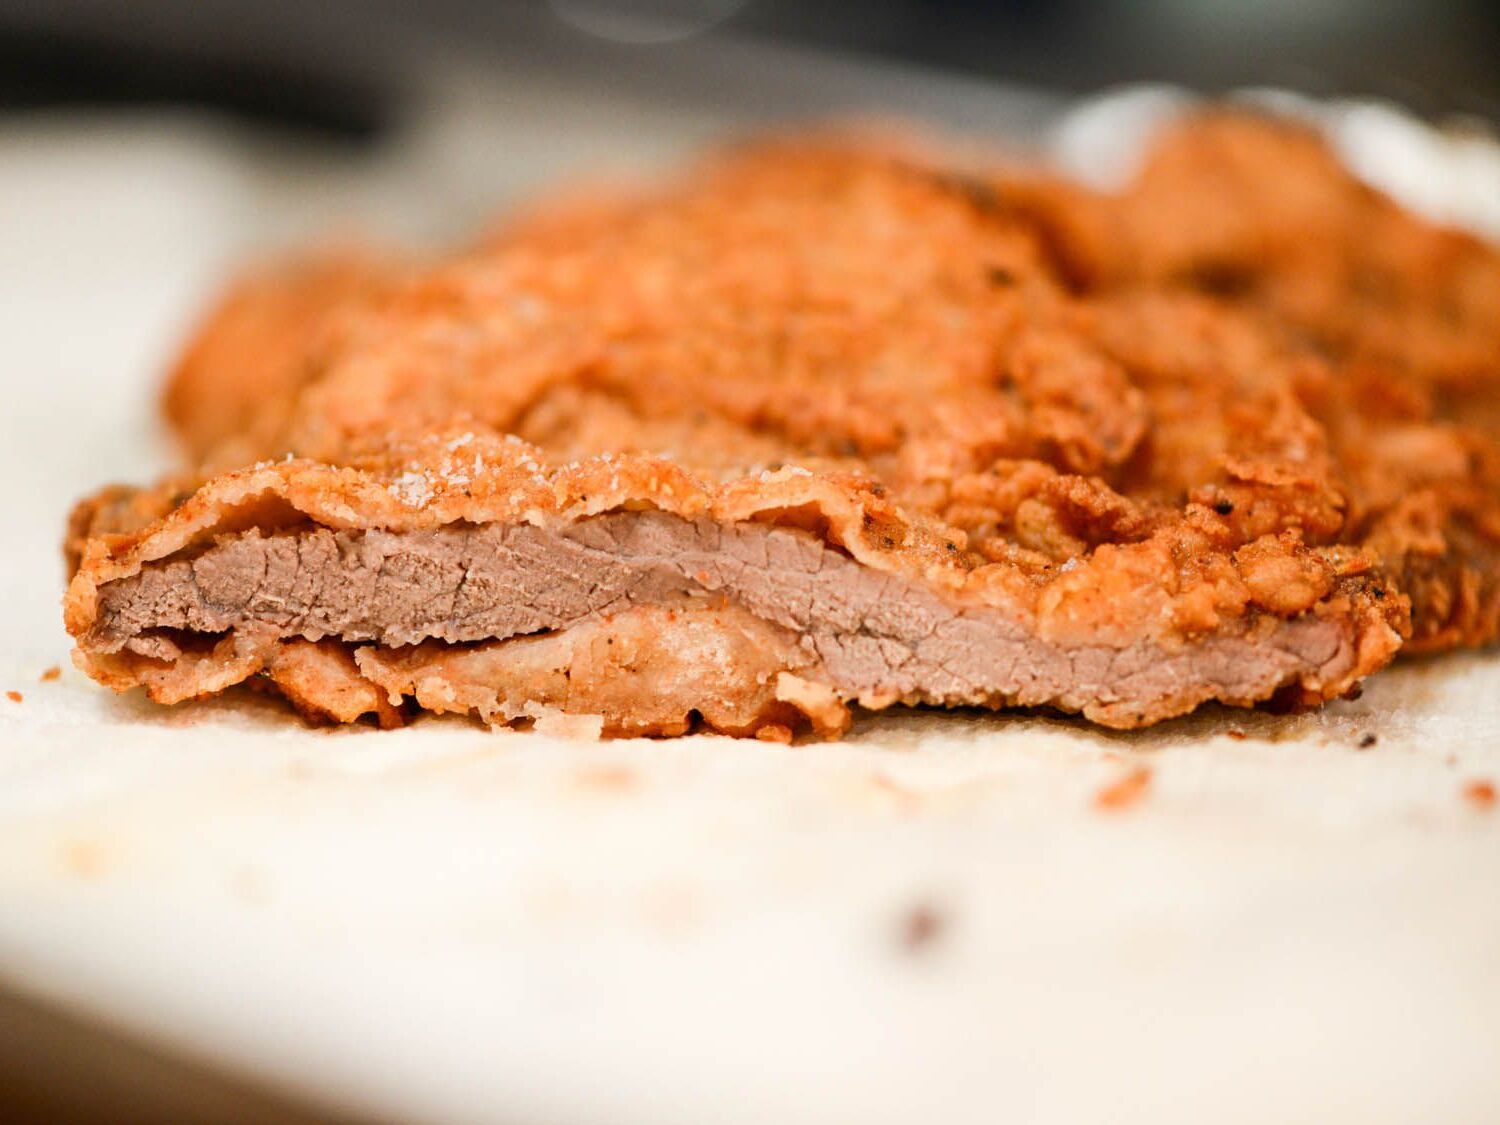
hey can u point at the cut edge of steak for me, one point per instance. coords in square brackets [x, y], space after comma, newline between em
[642, 622]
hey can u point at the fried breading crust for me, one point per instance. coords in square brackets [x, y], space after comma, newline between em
[1257, 215]
[952, 378]
[261, 339]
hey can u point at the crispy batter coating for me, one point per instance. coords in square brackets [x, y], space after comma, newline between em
[1161, 418]
[262, 339]
[1258, 216]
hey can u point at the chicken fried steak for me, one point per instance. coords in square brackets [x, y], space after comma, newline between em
[817, 423]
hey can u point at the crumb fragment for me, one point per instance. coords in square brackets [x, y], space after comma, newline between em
[607, 778]
[1236, 734]
[905, 799]
[922, 926]
[83, 858]
[51, 674]
[1366, 741]
[1480, 793]
[1125, 791]
[14, 696]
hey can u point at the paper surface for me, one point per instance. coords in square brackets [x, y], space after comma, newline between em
[933, 920]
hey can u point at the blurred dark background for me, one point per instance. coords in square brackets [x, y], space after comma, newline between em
[342, 67]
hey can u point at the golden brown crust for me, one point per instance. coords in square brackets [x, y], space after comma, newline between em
[261, 340]
[1258, 216]
[323, 682]
[650, 670]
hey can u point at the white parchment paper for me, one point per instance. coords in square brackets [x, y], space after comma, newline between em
[931, 921]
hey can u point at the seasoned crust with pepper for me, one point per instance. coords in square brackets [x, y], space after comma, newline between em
[814, 424]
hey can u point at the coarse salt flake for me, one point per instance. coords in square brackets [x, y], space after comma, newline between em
[412, 489]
